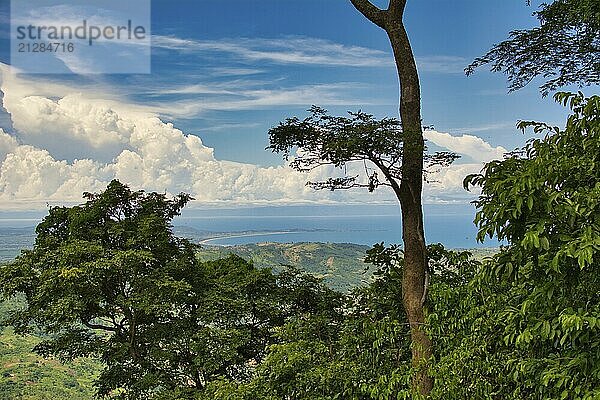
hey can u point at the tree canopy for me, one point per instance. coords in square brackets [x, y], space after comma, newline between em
[375, 144]
[361, 353]
[108, 279]
[564, 49]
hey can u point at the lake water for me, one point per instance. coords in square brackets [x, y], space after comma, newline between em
[362, 224]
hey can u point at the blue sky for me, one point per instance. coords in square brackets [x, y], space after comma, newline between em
[446, 35]
[228, 71]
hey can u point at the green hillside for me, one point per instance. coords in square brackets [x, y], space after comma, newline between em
[340, 265]
[27, 376]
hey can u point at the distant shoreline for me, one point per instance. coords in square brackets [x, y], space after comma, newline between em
[211, 239]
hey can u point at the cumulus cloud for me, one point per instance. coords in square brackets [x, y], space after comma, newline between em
[474, 147]
[91, 130]
[67, 143]
[447, 184]
[8, 144]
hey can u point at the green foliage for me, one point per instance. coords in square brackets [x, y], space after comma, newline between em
[470, 354]
[26, 376]
[101, 280]
[545, 201]
[108, 279]
[564, 49]
[360, 352]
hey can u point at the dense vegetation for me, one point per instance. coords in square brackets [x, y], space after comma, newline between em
[28, 376]
[108, 280]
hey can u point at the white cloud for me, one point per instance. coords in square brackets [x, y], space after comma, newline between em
[91, 130]
[332, 94]
[229, 126]
[486, 127]
[31, 174]
[231, 71]
[8, 144]
[67, 143]
[442, 64]
[469, 145]
[447, 183]
[306, 51]
[287, 50]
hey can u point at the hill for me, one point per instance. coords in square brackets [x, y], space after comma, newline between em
[340, 265]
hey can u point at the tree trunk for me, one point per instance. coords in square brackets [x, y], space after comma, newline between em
[411, 186]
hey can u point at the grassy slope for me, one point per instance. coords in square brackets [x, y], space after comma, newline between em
[340, 265]
[27, 376]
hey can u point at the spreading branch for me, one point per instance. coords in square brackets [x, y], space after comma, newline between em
[99, 326]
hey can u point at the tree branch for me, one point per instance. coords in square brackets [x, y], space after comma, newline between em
[343, 184]
[98, 326]
[388, 175]
[371, 12]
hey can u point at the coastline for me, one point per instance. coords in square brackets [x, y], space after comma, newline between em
[257, 234]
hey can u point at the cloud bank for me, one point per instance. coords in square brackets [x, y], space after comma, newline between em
[65, 142]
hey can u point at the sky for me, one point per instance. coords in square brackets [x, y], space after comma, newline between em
[223, 73]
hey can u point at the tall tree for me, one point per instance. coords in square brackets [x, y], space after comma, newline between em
[411, 184]
[564, 49]
[108, 278]
[378, 147]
